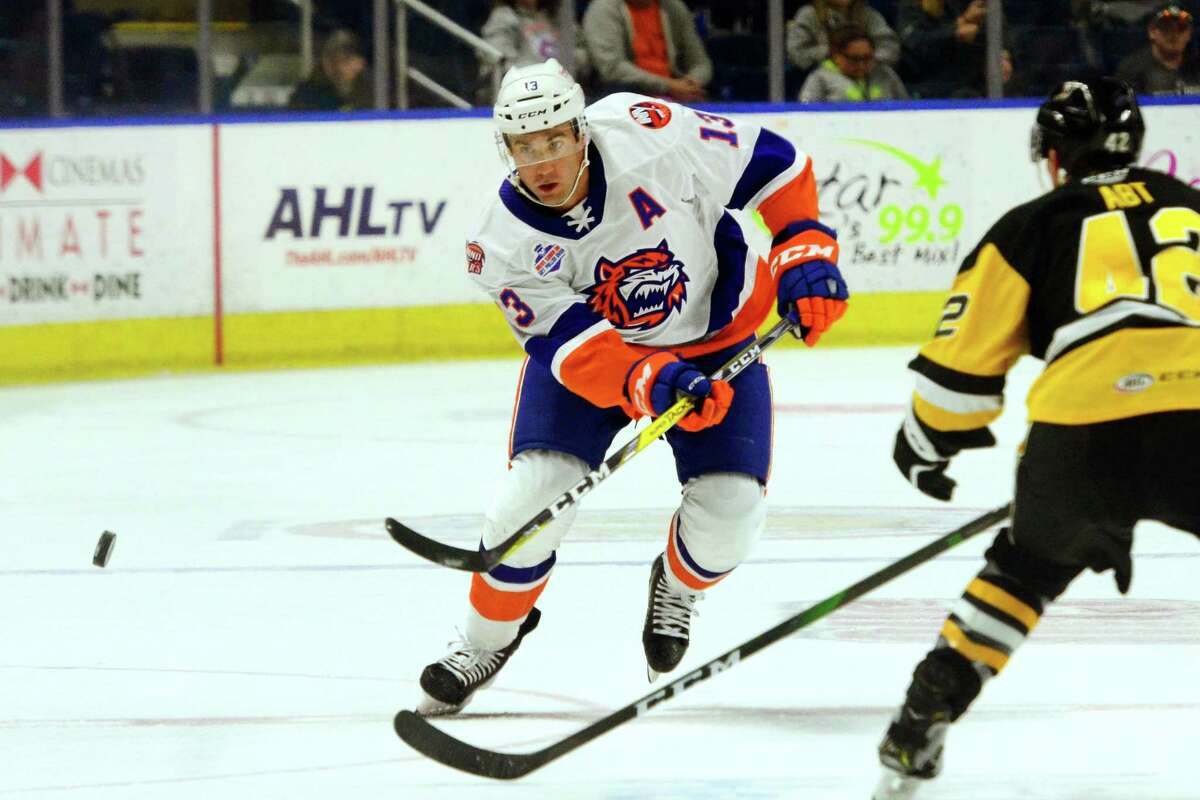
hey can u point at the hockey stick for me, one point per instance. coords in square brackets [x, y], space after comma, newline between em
[440, 746]
[484, 559]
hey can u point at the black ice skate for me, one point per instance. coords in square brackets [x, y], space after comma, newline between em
[451, 682]
[943, 685]
[668, 625]
[910, 755]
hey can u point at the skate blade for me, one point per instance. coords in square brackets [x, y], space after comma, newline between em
[651, 674]
[896, 786]
[430, 707]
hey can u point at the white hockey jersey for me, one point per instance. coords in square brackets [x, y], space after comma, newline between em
[651, 258]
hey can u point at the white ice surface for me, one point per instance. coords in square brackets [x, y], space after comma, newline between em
[256, 629]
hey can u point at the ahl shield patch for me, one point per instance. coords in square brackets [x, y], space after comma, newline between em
[547, 258]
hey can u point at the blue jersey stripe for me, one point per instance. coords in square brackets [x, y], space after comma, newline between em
[772, 156]
[519, 575]
[572, 322]
[731, 250]
[800, 226]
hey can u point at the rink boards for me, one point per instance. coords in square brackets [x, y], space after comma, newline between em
[141, 246]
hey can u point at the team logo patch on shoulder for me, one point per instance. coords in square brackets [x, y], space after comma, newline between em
[547, 258]
[474, 258]
[640, 290]
[650, 114]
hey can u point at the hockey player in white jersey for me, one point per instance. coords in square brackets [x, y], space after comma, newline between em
[611, 251]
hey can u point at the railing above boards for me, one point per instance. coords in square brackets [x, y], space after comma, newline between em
[405, 73]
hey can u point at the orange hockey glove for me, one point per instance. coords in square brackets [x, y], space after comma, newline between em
[811, 291]
[657, 381]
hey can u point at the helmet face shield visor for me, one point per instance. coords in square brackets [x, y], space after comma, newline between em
[530, 149]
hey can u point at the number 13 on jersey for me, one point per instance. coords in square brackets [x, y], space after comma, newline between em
[721, 134]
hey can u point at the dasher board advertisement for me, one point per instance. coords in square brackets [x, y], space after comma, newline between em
[365, 214]
[102, 223]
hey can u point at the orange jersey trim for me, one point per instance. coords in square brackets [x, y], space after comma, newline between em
[795, 200]
[597, 368]
[744, 324]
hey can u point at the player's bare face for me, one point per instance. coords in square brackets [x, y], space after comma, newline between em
[548, 162]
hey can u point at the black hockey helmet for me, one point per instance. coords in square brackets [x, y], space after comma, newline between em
[1093, 125]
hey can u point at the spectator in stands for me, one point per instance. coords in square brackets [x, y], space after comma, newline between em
[23, 58]
[647, 46]
[809, 31]
[526, 32]
[851, 74]
[340, 81]
[1115, 13]
[1164, 67]
[944, 46]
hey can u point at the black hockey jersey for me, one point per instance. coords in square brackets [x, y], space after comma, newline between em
[1099, 278]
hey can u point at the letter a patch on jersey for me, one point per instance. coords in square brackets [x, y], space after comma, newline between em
[640, 290]
[648, 209]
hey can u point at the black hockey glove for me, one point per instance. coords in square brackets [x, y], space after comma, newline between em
[920, 463]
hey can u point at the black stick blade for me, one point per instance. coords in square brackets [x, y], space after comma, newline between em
[445, 554]
[444, 748]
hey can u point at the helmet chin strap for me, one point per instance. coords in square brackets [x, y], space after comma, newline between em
[520, 185]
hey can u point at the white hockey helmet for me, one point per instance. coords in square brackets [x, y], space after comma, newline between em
[537, 97]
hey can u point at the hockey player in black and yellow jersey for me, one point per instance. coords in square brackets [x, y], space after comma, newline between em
[1099, 278]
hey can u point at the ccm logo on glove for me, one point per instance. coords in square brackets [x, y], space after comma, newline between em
[800, 253]
[811, 291]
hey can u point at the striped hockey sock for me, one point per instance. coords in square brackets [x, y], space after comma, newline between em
[992, 619]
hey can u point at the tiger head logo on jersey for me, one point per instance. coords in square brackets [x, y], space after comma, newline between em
[640, 290]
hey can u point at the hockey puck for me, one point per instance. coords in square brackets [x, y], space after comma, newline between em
[104, 548]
